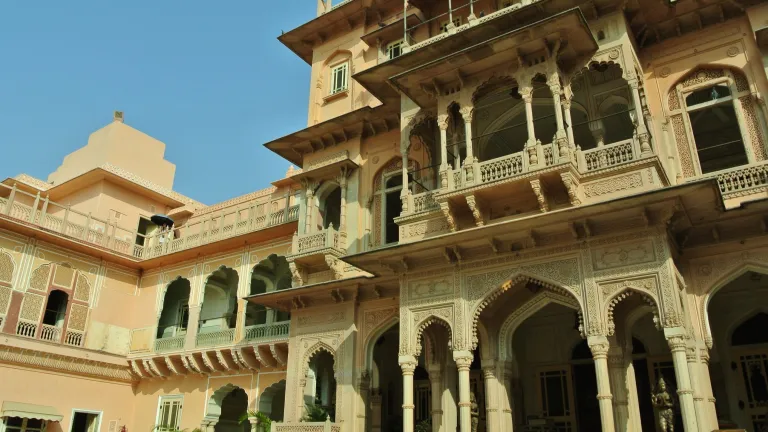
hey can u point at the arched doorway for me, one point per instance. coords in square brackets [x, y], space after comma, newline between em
[738, 319]
[320, 387]
[272, 401]
[386, 383]
[218, 313]
[175, 312]
[226, 408]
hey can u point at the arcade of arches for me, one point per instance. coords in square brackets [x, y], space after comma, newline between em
[522, 348]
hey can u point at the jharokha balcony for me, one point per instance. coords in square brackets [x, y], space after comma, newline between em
[62, 221]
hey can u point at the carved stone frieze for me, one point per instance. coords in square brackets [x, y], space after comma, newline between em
[56, 362]
[623, 255]
[374, 318]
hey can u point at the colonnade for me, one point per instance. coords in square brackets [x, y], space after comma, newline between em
[616, 388]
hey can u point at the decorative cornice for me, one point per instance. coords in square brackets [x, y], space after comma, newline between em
[66, 364]
[149, 185]
[32, 181]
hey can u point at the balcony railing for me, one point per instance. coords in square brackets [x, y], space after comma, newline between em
[50, 333]
[216, 338]
[229, 222]
[608, 156]
[315, 242]
[743, 180]
[267, 331]
[170, 343]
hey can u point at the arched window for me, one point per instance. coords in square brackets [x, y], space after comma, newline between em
[175, 314]
[387, 185]
[500, 126]
[56, 309]
[331, 208]
[219, 308]
[270, 274]
[392, 207]
[715, 121]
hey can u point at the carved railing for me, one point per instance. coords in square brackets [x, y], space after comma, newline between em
[215, 338]
[74, 338]
[326, 426]
[228, 222]
[26, 328]
[170, 343]
[742, 180]
[424, 202]
[501, 168]
[308, 243]
[608, 155]
[50, 333]
[549, 154]
[267, 331]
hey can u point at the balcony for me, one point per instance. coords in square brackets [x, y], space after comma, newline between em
[262, 345]
[743, 184]
[47, 215]
[49, 333]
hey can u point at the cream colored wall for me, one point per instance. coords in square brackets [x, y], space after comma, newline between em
[123, 146]
[67, 393]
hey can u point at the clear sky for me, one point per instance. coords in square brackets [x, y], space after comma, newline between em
[209, 79]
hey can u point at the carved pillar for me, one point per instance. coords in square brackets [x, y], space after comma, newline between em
[632, 397]
[676, 343]
[505, 374]
[442, 123]
[467, 113]
[190, 340]
[599, 347]
[463, 361]
[617, 370]
[375, 403]
[491, 398]
[526, 91]
[436, 383]
[405, 192]
[642, 130]
[408, 365]
[309, 193]
[709, 401]
[561, 140]
[343, 185]
[568, 120]
[696, 386]
[363, 391]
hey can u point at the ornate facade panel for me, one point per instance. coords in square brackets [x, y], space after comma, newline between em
[5, 299]
[623, 255]
[82, 289]
[63, 275]
[683, 147]
[753, 128]
[421, 319]
[39, 278]
[373, 319]
[78, 316]
[6, 268]
[32, 307]
[616, 184]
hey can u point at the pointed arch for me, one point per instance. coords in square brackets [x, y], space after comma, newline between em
[270, 399]
[392, 167]
[528, 309]
[373, 337]
[339, 53]
[213, 408]
[742, 319]
[729, 276]
[502, 285]
[40, 278]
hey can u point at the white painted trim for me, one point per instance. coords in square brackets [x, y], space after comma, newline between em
[160, 405]
[100, 417]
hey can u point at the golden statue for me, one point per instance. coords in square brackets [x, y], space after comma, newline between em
[664, 404]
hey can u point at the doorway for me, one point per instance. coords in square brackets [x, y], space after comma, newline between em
[86, 421]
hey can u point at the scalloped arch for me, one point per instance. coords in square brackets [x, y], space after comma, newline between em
[213, 408]
[614, 299]
[314, 350]
[426, 322]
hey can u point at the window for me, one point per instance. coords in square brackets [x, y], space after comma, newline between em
[169, 413]
[715, 128]
[56, 309]
[85, 422]
[339, 78]
[395, 49]
[392, 207]
[18, 424]
[444, 25]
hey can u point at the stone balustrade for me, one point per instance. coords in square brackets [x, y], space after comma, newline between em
[216, 338]
[329, 238]
[260, 332]
[326, 426]
[607, 156]
[172, 343]
[228, 222]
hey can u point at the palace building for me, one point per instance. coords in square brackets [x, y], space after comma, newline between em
[512, 215]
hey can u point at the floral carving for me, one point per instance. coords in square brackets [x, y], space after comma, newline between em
[32, 307]
[373, 319]
[753, 128]
[82, 289]
[39, 278]
[78, 315]
[616, 184]
[683, 148]
[6, 268]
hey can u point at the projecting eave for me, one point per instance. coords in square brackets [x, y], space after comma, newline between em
[503, 24]
[326, 293]
[336, 22]
[690, 205]
[360, 123]
[566, 34]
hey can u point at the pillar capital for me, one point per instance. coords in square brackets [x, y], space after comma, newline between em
[676, 343]
[442, 122]
[463, 359]
[599, 346]
[466, 113]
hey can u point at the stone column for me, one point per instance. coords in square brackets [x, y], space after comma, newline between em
[343, 183]
[642, 130]
[408, 365]
[442, 123]
[632, 398]
[309, 193]
[190, 340]
[463, 361]
[698, 399]
[561, 139]
[599, 347]
[363, 391]
[709, 401]
[491, 397]
[405, 192]
[676, 342]
[436, 383]
[467, 114]
[375, 403]
[568, 121]
[618, 374]
[506, 420]
[526, 91]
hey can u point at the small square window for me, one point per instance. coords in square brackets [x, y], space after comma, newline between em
[395, 49]
[339, 78]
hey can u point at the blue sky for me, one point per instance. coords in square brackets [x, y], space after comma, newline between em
[210, 79]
